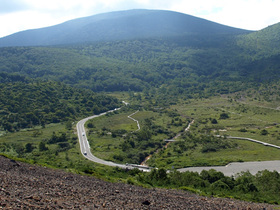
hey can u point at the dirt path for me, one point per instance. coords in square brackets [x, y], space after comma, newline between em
[138, 125]
[144, 163]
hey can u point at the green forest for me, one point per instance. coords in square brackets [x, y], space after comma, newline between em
[28, 103]
[182, 66]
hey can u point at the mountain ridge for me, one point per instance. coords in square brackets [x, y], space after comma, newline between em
[119, 25]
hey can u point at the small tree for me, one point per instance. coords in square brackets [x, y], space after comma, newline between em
[90, 125]
[28, 147]
[214, 121]
[264, 132]
[68, 125]
[42, 147]
[224, 116]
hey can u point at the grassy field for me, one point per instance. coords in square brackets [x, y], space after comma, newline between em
[32, 135]
[105, 146]
[14, 145]
[245, 119]
[113, 137]
[244, 151]
[114, 121]
[70, 159]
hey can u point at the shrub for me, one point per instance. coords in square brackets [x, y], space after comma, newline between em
[264, 132]
[224, 116]
[243, 130]
[219, 185]
[42, 147]
[214, 121]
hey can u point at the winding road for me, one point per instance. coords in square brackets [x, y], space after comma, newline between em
[85, 147]
[228, 170]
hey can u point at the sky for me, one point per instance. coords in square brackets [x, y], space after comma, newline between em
[19, 15]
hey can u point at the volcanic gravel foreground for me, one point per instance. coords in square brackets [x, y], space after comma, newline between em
[24, 186]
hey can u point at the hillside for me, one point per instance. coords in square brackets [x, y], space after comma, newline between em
[265, 41]
[146, 50]
[123, 25]
[199, 66]
[33, 187]
[25, 104]
[261, 52]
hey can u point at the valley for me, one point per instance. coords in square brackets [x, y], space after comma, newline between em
[105, 135]
[196, 80]
[231, 169]
[185, 150]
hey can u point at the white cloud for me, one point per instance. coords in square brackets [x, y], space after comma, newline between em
[17, 15]
[247, 14]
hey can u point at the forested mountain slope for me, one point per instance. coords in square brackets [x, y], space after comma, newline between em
[123, 25]
[200, 58]
[203, 65]
[265, 41]
[261, 54]
[29, 103]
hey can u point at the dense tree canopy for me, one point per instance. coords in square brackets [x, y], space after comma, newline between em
[27, 104]
[196, 66]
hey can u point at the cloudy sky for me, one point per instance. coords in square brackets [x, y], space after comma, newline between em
[18, 15]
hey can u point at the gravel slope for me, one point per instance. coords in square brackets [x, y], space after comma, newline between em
[24, 186]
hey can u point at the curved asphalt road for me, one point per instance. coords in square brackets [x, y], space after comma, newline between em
[228, 170]
[85, 147]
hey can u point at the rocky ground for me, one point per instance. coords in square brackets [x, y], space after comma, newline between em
[24, 186]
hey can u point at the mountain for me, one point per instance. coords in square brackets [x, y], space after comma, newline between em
[120, 25]
[169, 52]
[265, 41]
[261, 54]
[197, 64]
